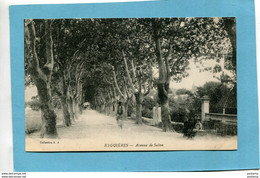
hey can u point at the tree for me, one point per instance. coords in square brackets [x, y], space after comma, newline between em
[116, 50]
[121, 55]
[183, 91]
[40, 68]
[228, 48]
[124, 45]
[73, 40]
[166, 43]
[216, 91]
[229, 24]
[139, 86]
[177, 41]
[230, 27]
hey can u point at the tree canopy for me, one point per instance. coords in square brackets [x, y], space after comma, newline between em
[105, 60]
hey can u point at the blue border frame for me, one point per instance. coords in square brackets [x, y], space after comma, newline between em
[247, 155]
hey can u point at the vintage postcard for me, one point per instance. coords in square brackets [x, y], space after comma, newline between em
[130, 84]
[134, 86]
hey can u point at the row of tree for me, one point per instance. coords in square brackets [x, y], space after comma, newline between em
[105, 60]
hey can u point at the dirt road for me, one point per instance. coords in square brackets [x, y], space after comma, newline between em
[95, 131]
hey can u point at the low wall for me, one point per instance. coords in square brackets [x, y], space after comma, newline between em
[214, 123]
[223, 117]
[223, 124]
[177, 126]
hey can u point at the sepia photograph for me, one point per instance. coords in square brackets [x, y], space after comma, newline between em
[130, 84]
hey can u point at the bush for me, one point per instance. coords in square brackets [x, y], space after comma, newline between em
[147, 113]
[221, 128]
[130, 109]
[34, 105]
[177, 127]
[178, 115]
[183, 91]
[148, 105]
[56, 102]
[33, 120]
[149, 102]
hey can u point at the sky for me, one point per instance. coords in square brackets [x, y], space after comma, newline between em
[196, 77]
[29, 92]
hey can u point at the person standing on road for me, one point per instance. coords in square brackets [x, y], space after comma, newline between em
[119, 115]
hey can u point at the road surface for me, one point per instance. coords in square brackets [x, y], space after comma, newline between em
[94, 131]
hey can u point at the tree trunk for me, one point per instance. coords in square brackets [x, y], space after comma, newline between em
[230, 27]
[126, 110]
[63, 98]
[104, 109]
[165, 110]
[107, 109]
[42, 76]
[70, 104]
[66, 114]
[80, 98]
[115, 109]
[111, 109]
[47, 113]
[80, 108]
[75, 108]
[139, 100]
[164, 82]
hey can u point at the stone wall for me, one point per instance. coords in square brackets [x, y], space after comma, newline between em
[223, 124]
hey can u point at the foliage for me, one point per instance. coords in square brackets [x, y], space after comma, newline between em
[183, 91]
[149, 102]
[178, 115]
[56, 102]
[33, 121]
[104, 60]
[148, 105]
[34, 104]
[101, 41]
[147, 113]
[216, 92]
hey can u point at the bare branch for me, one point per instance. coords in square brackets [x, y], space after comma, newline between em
[115, 80]
[34, 60]
[57, 92]
[179, 59]
[128, 74]
[168, 70]
[76, 52]
[149, 80]
[49, 48]
[133, 68]
[125, 87]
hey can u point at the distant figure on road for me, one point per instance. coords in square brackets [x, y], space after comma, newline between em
[86, 105]
[119, 115]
